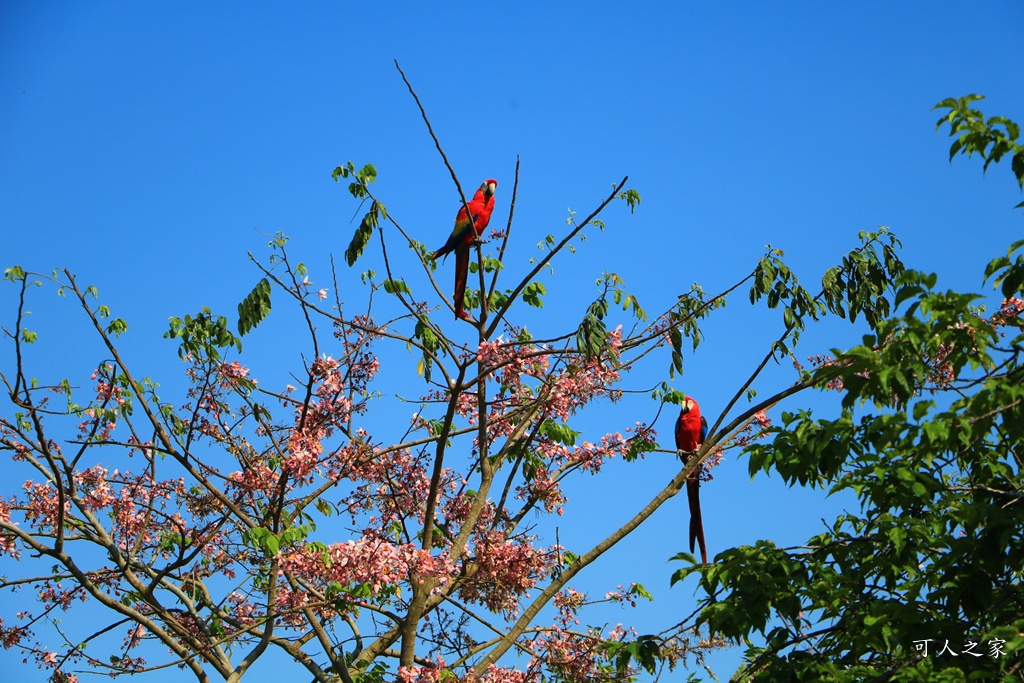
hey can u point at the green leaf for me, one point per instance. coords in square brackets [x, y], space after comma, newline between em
[341, 172]
[202, 335]
[632, 198]
[367, 174]
[907, 292]
[396, 286]
[637, 447]
[1017, 165]
[117, 327]
[1012, 281]
[362, 235]
[559, 432]
[14, 273]
[254, 308]
[532, 293]
[898, 536]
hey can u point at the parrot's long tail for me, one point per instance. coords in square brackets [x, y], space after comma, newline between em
[696, 522]
[461, 273]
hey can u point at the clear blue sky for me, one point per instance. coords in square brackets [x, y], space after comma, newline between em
[148, 146]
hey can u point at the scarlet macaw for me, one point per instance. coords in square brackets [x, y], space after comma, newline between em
[467, 229]
[691, 430]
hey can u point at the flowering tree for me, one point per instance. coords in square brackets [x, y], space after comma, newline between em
[923, 583]
[241, 518]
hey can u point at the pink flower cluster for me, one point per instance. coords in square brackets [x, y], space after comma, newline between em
[304, 449]
[570, 654]
[243, 610]
[318, 419]
[755, 428]
[1011, 312]
[513, 361]
[53, 594]
[370, 561]
[396, 485]
[43, 506]
[105, 389]
[137, 508]
[93, 489]
[231, 373]
[941, 373]
[8, 542]
[543, 489]
[457, 509]
[587, 456]
[824, 361]
[622, 596]
[505, 571]
[425, 674]
[12, 635]
[585, 380]
[494, 674]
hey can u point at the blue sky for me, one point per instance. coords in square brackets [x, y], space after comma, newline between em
[148, 147]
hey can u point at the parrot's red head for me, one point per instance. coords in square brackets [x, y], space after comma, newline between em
[489, 186]
[688, 405]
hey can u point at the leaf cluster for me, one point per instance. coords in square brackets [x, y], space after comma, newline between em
[360, 189]
[928, 443]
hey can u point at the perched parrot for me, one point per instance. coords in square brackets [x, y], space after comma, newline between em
[468, 228]
[691, 430]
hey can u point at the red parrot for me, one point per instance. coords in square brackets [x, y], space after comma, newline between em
[691, 430]
[468, 228]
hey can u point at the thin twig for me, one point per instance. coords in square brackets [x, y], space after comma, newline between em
[430, 129]
[508, 229]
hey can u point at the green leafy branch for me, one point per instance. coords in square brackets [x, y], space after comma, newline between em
[359, 188]
[976, 134]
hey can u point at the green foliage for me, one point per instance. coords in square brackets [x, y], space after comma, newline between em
[975, 134]
[396, 287]
[14, 274]
[774, 281]
[491, 265]
[663, 392]
[254, 308]
[18, 274]
[928, 442]
[117, 327]
[1007, 272]
[360, 189]
[263, 539]
[362, 234]
[638, 446]
[592, 333]
[858, 286]
[532, 293]
[684, 323]
[645, 651]
[362, 178]
[202, 335]
[559, 432]
[632, 198]
[498, 300]
[430, 345]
